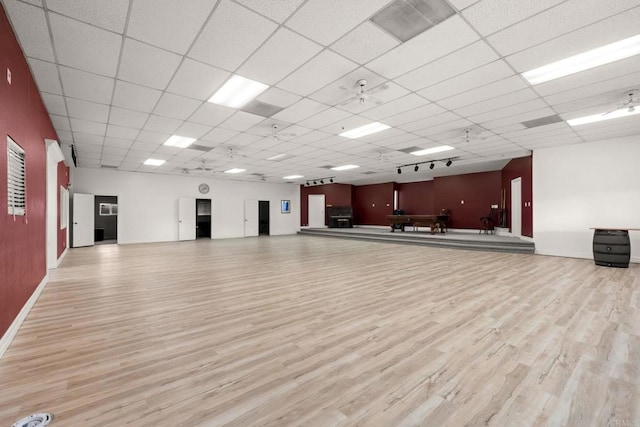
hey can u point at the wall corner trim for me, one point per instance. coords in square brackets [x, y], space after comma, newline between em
[62, 255]
[8, 337]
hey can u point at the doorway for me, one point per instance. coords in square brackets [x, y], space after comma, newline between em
[263, 218]
[316, 211]
[105, 212]
[203, 218]
[516, 207]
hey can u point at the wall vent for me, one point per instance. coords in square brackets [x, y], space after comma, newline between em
[405, 19]
[542, 121]
[261, 108]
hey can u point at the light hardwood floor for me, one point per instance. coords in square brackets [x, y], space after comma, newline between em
[307, 331]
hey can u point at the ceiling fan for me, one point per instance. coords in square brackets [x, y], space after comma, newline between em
[279, 135]
[202, 167]
[363, 95]
[630, 104]
[469, 136]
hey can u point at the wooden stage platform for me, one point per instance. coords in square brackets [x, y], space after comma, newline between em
[451, 239]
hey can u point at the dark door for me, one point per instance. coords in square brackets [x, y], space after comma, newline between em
[263, 218]
[203, 218]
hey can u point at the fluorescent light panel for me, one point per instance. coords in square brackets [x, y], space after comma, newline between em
[237, 91]
[179, 141]
[154, 162]
[365, 130]
[623, 112]
[344, 167]
[432, 150]
[235, 170]
[584, 61]
[277, 156]
[293, 177]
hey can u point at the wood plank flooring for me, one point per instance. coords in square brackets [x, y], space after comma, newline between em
[296, 330]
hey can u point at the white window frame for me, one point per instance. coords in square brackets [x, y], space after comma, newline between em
[16, 179]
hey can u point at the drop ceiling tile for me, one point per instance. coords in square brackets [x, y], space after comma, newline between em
[444, 128]
[462, 4]
[480, 76]
[554, 22]
[162, 124]
[325, 21]
[115, 151]
[197, 80]
[427, 126]
[87, 110]
[85, 126]
[349, 123]
[241, 121]
[434, 43]
[279, 97]
[365, 43]
[30, 24]
[598, 34]
[147, 65]
[135, 97]
[45, 75]
[127, 118]
[85, 47]
[418, 113]
[54, 103]
[284, 52]
[613, 91]
[325, 118]
[166, 23]
[492, 90]
[243, 139]
[118, 142]
[517, 119]
[141, 149]
[278, 10]
[497, 102]
[176, 106]
[400, 105]
[468, 58]
[60, 122]
[489, 16]
[153, 137]
[109, 15]
[122, 132]
[497, 114]
[193, 130]
[211, 114]
[300, 111]
[82, 85]
[88, 139]
[318, 72]
[232, 34]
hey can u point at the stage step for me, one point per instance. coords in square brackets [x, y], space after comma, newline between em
[512, 246]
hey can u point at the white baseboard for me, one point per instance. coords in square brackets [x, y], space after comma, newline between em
[8, 336]
[64, 253]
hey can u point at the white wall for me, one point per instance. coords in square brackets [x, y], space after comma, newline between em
[148, 203]
[575, 187]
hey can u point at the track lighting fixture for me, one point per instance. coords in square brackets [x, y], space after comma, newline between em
[431, 166]
[416, 166]
[321, 181]
[331, 180]
[399, 171]
[415, 169]
[317, 181]
[449, 162]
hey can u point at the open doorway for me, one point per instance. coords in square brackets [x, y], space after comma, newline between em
[105, 220]
[203, 218]
[263, 218]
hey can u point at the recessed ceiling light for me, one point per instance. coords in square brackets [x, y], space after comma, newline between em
[345, 167]
[365, 130]
[590, 59]
[237, 91]
[179, 141]
[293, 177]
[432, 150]
[235, 170]
[277, 156]
[154, 162]
[623, 112]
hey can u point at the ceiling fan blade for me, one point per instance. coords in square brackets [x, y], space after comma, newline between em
[350, 100]
[378, 89]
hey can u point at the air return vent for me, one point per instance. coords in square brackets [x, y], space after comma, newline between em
[199, 148]
[261, 108]
[405, 19]
[543, 121]
[109, 166]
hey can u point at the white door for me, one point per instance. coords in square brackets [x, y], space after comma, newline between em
[516, 207]
[83, 220]
[316, 211]
[251, 218]
[186, 218]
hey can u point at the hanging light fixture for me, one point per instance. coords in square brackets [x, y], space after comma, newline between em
[415, 169]
[449, 162]
[399, 171]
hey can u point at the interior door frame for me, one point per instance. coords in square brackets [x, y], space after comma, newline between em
[251, 205]
[186, 218]
[89, 201]
[516, 207]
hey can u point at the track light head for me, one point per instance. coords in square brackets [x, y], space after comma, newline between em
[449, 162]
[331, 180]
[399, 171]
[415, 169]
[322, 181]
[315, 182]
[431, 166]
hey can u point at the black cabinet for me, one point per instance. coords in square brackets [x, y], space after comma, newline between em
[611, 248]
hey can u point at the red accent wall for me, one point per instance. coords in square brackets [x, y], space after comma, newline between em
[63, 181]
[372, 203]
[521, 167]
[334, 195]
[478, 190]
[23, 240]
[416, 198]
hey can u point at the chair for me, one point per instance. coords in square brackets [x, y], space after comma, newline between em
[487, 223]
